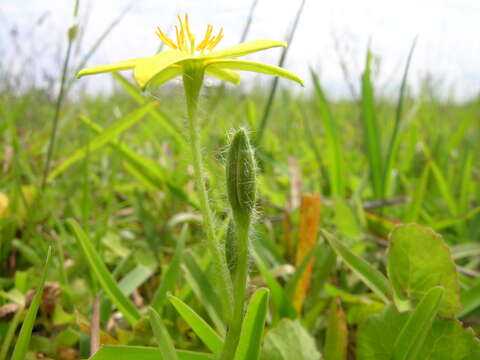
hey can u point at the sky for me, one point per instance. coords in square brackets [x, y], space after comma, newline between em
[448, 47]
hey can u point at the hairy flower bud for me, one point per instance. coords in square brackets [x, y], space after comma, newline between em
[241, 178]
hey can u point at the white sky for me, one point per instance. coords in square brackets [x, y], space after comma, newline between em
[448, 47]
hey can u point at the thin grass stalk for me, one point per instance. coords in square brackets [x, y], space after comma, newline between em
[246, 29]
[60, 97]
[273, 89]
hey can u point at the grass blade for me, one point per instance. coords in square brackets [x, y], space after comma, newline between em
[60, 96]
[252, 328]
[104, 277]
[150, 171]
[199, 326]
[165, 343]
[10, 334]
[371, 130]
[143, 353]
[171, 275]
[419, 196]
[110, 133]
[280, 300]
[394, 140]
[373, 278]
[336, 341]
[203, 289]
[335, 155]
[21, 347]
[160, 118]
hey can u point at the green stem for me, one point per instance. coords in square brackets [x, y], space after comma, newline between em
[239, 294]
[192, 81]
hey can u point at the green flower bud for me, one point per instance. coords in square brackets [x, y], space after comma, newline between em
[72, 32]
[241, 178]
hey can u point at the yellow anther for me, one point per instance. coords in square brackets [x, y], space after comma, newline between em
[180, 38]
[165, 39]
[216, 40]
[206, 39]
[187, 29]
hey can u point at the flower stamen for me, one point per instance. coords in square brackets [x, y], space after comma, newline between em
[215, 40]
[185, 40]
[165, 39]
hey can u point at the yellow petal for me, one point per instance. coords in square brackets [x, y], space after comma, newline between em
[223, 74]
[165, 75]
[255, 67]
[244, 49]
[121, 65]
[150, 67]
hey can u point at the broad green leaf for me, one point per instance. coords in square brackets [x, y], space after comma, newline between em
[288, 341]
[164, 341]
[171, 275]
[449, 340]
[446, 339]
[336, 341]
[373, 278]
[252, 327]
[415, 330]
[376, 337]
[418, 259]
[23, 340]
[110, 133]
[199, 326]
[143, 353]
[103, 276]
[245, 65]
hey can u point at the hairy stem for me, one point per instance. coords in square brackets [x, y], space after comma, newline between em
[192, 81]
[239, 294]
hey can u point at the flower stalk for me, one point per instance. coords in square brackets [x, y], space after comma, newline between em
[192, 81]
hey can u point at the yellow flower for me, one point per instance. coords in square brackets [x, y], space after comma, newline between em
[186, 55]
